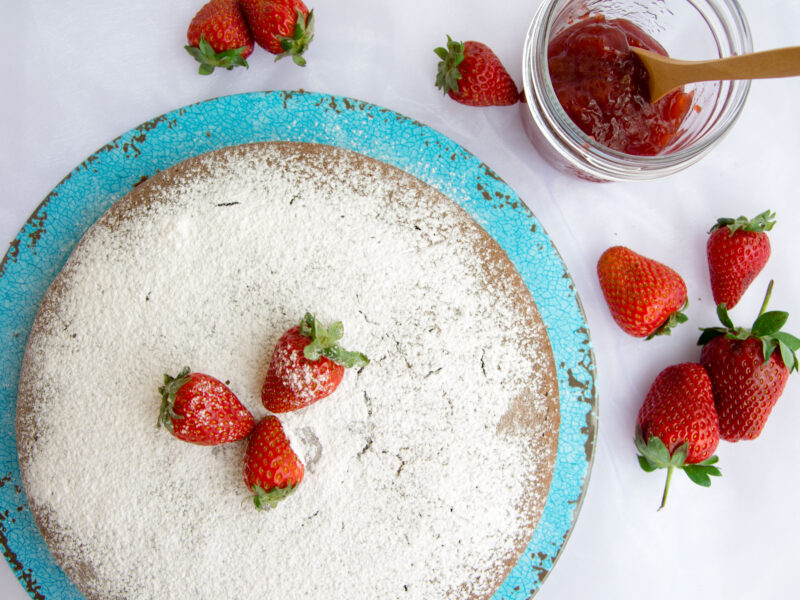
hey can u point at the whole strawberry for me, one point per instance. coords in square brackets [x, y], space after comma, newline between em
[272, 470]
[677, 425]
[470, 73]
[218, 36]
[201, 409]
[307, 365]
[737, 250]
[282, 27]
[748, 369]
[645, 297]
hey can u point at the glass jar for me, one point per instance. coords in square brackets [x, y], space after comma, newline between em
[687, 29]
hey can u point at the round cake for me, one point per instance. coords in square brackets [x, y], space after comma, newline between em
[426, 471]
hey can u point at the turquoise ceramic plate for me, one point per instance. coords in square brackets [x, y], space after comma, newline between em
[42, 246]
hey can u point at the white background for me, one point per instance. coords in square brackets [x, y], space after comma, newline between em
[76, 74]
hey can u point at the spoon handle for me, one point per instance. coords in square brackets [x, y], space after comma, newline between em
[780, 62]
[666, 73]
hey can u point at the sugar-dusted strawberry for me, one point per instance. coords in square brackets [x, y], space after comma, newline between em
[645, 296]
[198, 408]
[737, 250]
[471, 73]
[272, 470]
[282, 27]
[307, 365]
[218, 36]
[677, 425]
[748, 369]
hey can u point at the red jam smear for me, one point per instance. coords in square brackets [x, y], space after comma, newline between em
[602, 86]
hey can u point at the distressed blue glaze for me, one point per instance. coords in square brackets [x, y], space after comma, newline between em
[44, 243]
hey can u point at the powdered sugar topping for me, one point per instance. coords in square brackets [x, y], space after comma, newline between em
[425, 470]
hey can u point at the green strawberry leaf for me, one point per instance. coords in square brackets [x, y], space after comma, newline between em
[679, 455]
[698, 476]
[709, 461]
[788, 339]
[645, 464]
[346, 358]
[701, 473]
[724, 318]
[638, 440]
[767, 347]
[654, 452]
[788, 345]
[788, 356]
[335, 331]
[769, 323]
[441, 52]
[709, 334]
[658, 451]
[313, 351]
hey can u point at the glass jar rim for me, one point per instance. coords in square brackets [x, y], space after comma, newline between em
[584, 153]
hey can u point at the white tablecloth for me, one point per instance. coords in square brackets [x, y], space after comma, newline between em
[78, 73]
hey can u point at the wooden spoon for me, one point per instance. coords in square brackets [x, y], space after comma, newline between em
[666, 74]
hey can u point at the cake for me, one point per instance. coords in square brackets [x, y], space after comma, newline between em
[426, 471]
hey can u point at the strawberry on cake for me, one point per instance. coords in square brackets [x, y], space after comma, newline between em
[425, 472]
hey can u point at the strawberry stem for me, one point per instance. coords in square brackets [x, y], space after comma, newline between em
[670, 470]
[766, 298]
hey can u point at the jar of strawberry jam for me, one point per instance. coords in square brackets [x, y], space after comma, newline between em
[587, 110]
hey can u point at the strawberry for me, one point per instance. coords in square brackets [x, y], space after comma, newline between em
[677, 425]
[470, 73]
[219, 36]
[272, 470]
[200, 409]
[307, 365]
[282, 27]
[748, 369]
[645, 297]
[737, 250]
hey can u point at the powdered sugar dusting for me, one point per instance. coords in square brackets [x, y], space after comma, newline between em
[425, 471]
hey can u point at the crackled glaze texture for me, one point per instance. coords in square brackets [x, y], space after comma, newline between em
[42, 246]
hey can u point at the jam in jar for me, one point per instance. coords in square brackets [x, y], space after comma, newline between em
[602, 86]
